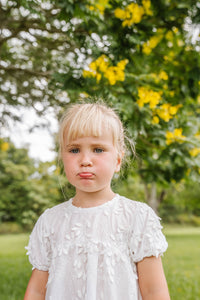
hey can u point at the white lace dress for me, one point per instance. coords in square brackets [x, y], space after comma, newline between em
[91, 253]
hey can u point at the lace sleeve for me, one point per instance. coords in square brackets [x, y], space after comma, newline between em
[39, 246]
[147, 238]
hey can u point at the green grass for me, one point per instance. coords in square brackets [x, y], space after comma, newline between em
[14, 266]
[181, 264]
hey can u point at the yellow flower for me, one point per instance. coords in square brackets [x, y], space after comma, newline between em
[163, 75]
[169, 35]
[154, 99]
[194, 152]
[110, 75]
[99, 5]
[154, 40]
[167, 111]
[98, 77]
[151, 43]
[175, 136]
[101, 67]
[84, 95]
[148, 96]
[175, 29]
[172, 93]
[155, 120]
[87, 73]
[102, 63]
[120, 13]
[147, 4]
[122, 64]
[173, 109]
[163, 112]
[132, 14]
[180, 43]
[146, 49]
[4, 146]
[197, 135]
[91, 7]
[136, 12]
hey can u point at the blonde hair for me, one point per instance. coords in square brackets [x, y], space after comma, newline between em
[90, 119]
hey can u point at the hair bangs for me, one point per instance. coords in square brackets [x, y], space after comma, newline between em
[82, 127]
[82, 120]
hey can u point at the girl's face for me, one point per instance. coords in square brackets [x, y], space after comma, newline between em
[90, 163]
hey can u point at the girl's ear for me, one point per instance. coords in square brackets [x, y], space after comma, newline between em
[119, 162]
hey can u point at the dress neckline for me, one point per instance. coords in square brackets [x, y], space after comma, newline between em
[93, 208]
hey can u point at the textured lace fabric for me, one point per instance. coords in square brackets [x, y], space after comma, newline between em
[91, 253]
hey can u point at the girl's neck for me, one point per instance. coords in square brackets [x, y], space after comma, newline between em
[86, 200]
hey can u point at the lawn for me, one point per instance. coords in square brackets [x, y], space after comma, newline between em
[181, 264]
[15, 268]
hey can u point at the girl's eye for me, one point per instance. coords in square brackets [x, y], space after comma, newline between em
[75, 150]
[98, 150]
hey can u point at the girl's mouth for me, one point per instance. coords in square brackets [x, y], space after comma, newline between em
[86, 175]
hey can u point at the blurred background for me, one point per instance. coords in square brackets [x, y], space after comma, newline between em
[142, 58]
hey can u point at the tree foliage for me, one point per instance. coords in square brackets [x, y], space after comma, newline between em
[138, 55]
[144, 63]
[34, 44]
[26, 189]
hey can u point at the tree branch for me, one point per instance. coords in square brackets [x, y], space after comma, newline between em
[28, 71]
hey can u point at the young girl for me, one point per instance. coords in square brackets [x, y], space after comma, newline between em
[98, 245]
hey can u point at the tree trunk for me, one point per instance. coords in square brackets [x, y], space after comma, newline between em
[151, 196]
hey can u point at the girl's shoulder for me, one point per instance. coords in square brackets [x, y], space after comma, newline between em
[134, 205]
[137, 211]
[56, 212]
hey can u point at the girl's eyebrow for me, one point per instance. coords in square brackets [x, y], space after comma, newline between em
[103, 145]
[72, 145]
[99, 144]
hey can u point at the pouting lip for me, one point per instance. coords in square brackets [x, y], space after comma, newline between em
[85, 174]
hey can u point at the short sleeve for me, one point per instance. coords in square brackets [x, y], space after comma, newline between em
[147, 238]
[39, 251]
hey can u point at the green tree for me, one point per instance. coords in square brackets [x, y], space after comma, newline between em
[27, 188]
[143, 62]
[137, 55]
[34, 44]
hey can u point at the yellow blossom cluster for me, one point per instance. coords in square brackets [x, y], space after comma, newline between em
[166, 112]
[161, 76]
[99, 5]
[169, 35]
[194, 152]
[197, 135]
[146, 95]
[175, 136]
[133, 13]
[170, 56]
[147, 7]
[4, 146]
[101, 67]
[151, 43]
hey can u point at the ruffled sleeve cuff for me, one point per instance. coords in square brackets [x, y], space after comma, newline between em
[147, 238]
[38, 248]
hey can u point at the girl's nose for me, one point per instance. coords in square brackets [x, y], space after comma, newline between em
[86, 161]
